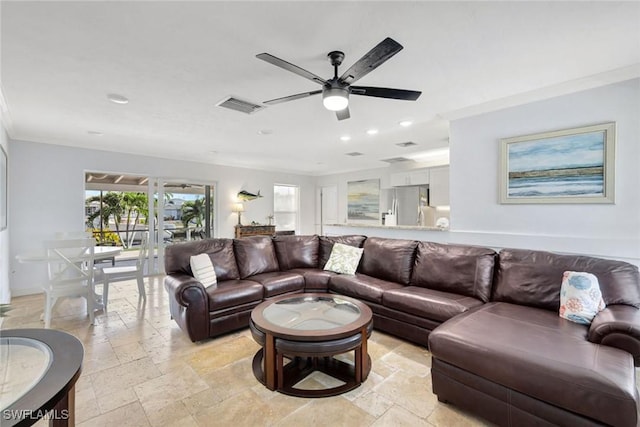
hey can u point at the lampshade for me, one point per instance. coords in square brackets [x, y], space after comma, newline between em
[335, 98]
[237, 207]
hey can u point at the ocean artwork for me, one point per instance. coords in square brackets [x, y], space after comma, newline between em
[561, 166]
[363, 200]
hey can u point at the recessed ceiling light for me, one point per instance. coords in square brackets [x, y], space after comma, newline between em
[345, 138]
[95, 133]
[405, 123]
[117, 99]
[265, 131]
[372, 131]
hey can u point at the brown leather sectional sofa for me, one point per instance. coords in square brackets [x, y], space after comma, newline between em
[499, 348]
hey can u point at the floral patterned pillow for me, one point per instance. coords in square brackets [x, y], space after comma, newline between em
[344, 259]
[580, 297]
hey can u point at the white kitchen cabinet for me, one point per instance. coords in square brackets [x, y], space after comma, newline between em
[439, 186]
[412, 177]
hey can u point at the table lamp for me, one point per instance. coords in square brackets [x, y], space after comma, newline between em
[239, 208]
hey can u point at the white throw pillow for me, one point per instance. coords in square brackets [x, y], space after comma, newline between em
[203, 270]
[580, 297]
[344, 259]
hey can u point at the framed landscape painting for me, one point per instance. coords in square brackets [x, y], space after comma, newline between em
[567, 166]
[363, 200]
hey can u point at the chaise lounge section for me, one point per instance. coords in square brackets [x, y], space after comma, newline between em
[499, 348]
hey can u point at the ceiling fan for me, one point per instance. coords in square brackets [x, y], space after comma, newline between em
[335, 91]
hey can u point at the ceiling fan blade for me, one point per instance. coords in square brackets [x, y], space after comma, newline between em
[385, 92]
[290, 67]
[292, 97]
[343, 114]
[372, 60]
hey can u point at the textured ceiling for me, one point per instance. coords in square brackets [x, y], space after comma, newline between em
[176, 60]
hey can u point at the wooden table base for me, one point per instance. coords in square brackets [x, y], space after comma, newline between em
[298, 368]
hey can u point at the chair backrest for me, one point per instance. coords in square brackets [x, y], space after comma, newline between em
[70, 261]
[144, 250]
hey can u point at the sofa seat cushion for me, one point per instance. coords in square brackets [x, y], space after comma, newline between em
[315, 280]
[537, 353]
[278, 282]
[231, 293]
[428, 303]
[361, 286]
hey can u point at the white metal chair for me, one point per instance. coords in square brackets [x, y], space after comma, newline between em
[117, 274]
[70, 272]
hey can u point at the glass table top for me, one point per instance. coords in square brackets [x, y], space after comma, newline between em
[24, 363]
[312, 313]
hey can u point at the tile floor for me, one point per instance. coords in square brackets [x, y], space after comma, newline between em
[140, 369]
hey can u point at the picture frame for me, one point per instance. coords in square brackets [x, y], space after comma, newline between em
[574, 165]
[363, 200]
[4, 176]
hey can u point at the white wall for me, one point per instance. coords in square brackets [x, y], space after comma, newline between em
[47, 195]
[5, 291]
[602, 230]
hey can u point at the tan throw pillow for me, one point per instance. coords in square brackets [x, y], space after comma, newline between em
[203, 270]
[344, 259]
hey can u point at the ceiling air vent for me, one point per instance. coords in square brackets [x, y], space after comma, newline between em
[237, 104]
[354, 153]
[406, 144]
[396, 160]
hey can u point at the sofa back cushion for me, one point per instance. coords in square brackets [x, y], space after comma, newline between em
[177, 257]
[534, 278]
[296, 251]
[255, 255]
[326, 245]
[459, 269]
[389, 259]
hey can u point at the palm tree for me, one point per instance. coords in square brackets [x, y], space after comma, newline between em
[193, 211]
[134, 204]
[110, 206]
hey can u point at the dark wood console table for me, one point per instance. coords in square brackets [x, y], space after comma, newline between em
[255, 230]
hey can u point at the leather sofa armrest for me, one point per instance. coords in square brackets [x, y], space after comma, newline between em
[618, 326]
[189, 305]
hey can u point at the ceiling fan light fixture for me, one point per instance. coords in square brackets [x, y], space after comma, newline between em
[335, 99]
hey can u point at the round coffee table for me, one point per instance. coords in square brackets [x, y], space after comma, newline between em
[309, 329]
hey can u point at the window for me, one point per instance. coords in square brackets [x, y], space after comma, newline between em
[285, 207]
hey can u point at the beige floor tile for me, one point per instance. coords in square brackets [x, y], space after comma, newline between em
[409, 391]
[328, 412]
[129, 352]
[406, 364]
[111, 401]
[202, 400]
[123, 376]
[246, 409]
[163, 412]
[232, 379]
[176, 385]
[373, 403]
[131, 415]
[211, 359]
[397, 416]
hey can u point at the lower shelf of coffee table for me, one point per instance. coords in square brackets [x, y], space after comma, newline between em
[300, 368]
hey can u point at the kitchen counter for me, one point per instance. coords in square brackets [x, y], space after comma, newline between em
[396, 227]
[411, 232]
